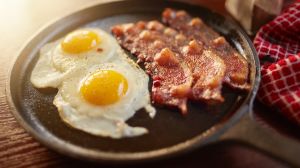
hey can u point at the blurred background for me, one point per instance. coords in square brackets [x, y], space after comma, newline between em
[21, 19]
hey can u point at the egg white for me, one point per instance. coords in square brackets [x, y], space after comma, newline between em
[97, 125]
[44, 74]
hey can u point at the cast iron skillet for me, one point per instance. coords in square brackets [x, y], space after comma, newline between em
[170, 133]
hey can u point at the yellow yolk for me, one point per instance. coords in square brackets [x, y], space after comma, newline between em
[80, 41]
[104, 87]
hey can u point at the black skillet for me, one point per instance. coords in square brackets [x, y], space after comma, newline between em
[170, 132]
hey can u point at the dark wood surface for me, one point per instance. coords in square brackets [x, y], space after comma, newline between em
[20, 20]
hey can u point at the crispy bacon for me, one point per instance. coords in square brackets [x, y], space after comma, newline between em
[208, 72]
[161, 62]
[180, 68]
[237, 69]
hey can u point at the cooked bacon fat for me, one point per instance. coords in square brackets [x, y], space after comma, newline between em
[166, 58]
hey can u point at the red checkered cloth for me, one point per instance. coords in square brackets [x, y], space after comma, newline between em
[278, 47]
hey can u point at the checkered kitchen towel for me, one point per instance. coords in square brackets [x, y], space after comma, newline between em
[278, 47]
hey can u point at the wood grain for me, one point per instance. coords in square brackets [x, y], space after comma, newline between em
[19, 21]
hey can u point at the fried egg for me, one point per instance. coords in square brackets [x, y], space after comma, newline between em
[84, 47]
[79, 48]
[97, 91]
[108, 94]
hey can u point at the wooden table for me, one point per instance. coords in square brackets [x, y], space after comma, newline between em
[20, 20]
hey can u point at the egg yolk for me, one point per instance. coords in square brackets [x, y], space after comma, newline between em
[104, 87]
[80, 41]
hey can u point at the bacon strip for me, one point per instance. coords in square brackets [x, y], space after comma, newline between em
[180, 68]
[208, 72]
[237, 70]
[144, 41]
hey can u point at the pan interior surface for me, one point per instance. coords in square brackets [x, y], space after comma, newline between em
[169, 128]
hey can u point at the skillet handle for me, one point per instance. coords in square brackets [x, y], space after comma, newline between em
[248, 131]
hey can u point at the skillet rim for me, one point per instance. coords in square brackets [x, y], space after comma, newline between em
[75, 151]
